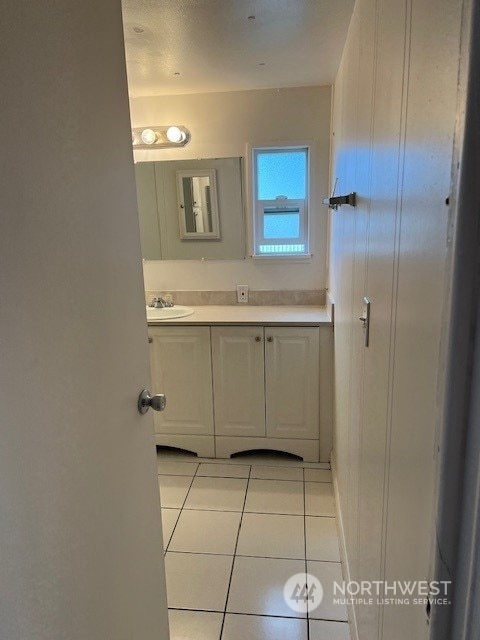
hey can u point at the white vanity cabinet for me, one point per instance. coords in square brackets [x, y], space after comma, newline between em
[181, 367]
[239, 381]
[266, 381]
[236, 388]
[292, 382]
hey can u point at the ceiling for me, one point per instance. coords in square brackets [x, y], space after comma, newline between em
[199, 46]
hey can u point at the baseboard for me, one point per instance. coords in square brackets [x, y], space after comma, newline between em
[203, 446]
[225, 446]
[352, 618]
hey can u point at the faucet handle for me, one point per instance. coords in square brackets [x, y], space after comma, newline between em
[168, 299]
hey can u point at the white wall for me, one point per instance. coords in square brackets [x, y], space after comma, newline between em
[222, 124]
[393, 123]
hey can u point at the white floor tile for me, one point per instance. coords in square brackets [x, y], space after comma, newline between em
[327, 573]
[242, 627]
[223, 470]
[325, 630]
[173, 490]
[319, 499]
[169, 520]
[167, 468]
[257, 586]
[266, 472]
[269, 496]
[194, 625]
[318, 475]
[196, 581]
[322, 539]
[206, 532]
[219, 494]
[271, 536]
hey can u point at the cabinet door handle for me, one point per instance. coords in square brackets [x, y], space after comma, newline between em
[258, 339]
[269, 339]
[150, 339]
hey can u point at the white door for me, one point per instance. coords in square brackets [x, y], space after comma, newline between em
[238, 381]
[182, 369]
[292, 382]
[80, 534]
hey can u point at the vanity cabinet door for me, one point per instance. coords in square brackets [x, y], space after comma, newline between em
[238, 380]
[292, 382]
[182, 370]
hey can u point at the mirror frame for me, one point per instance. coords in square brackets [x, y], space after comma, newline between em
[204, 235]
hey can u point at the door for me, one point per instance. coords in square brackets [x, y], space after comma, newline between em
[182, 369]
[238, 381]
[292, 382]
[80, 534]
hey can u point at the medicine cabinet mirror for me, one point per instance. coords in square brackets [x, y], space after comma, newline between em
[197, 204]
[191, 209]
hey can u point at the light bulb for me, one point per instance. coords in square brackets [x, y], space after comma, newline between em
[149, 136]
[174, 134]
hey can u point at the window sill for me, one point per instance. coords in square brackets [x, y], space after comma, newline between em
[301, 258]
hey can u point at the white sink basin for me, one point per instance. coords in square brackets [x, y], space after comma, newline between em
[168, 313]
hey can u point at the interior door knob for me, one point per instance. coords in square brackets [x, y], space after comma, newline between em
[269, 339]
[258, 339]
[158, 402]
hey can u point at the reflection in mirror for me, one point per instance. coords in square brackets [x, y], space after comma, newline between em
[197, 200]
[169, 232]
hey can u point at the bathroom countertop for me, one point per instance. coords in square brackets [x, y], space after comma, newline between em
[306, 316]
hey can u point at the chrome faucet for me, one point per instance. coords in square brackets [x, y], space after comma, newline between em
[160, 303]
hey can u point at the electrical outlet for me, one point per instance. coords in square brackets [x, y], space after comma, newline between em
[242, 293]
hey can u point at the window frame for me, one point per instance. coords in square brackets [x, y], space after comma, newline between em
[259, 206]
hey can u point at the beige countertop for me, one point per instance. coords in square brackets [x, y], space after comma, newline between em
[251, 315]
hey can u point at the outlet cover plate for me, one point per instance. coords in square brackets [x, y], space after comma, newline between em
[242, 293]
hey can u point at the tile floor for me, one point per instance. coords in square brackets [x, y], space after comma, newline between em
[234, 532]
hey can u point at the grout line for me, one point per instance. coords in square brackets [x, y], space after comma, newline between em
[242, 555]
[258, 615]
[179, 515]
[197, 475]
[223, 477]
[234, 553]
[284, 464]
[251, 615]
[305, 545]
[264, 513]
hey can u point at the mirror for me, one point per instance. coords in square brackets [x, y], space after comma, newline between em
[197, 201]
[191, 209]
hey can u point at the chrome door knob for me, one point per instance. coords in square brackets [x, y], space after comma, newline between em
[158, 402]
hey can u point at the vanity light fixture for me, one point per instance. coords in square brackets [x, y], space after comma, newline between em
[160, 137]
[148, 136]
[175, 134]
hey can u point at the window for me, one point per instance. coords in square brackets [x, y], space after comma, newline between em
[280, 191]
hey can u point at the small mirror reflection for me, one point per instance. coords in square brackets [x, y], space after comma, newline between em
[198, 210]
